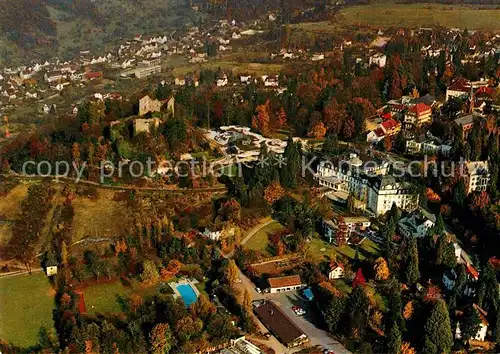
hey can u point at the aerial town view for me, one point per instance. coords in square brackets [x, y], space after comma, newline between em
[249, 176]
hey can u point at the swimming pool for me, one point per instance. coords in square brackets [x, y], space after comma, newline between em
[187, 293]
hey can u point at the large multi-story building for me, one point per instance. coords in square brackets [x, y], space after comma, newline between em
[368, 181]
[477, 176]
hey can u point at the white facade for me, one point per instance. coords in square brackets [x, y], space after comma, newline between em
[368, 183]
[51, 270]
[274, 290]
[378, 59]
[480, 335]
[416, 224]
[336, 273]
[478, 176]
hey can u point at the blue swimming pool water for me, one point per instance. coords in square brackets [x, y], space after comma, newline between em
[187, 293]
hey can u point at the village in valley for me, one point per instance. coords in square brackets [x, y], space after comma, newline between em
[261, 184]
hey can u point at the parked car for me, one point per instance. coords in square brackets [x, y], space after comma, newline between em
[298, 310]
[257, 289]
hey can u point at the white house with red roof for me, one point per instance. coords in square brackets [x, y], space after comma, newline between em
[418, 115]
[388, 127]
[336, 271]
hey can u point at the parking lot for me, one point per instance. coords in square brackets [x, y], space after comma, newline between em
[306, 322]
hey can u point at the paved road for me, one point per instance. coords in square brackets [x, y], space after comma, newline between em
[255, 229]
[285, 301]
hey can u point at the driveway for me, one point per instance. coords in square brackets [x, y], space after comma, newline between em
[316, 335]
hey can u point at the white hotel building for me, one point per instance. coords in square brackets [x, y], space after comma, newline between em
[368, 181]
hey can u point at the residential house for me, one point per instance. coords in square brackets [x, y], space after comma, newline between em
[378, 59]
[357, 222]
[390, 127]
[271, 81]
[223, 81]
[180, 81]
[335, 232]
[450, 277]
[54, 76]
[318, 57]
[245, 79]
[417, 223]
[417, 116]
[459, 88]
[462, 88]
[465, 124]
[93, 75]
[280, 325]
[483, 327]
[375, 136]
[286, 283]
[51, 269]
[336, 271]
[427, 146]
[477, 176]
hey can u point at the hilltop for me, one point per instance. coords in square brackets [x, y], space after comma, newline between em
[46, 28]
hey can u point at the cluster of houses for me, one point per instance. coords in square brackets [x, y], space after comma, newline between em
[138, 58]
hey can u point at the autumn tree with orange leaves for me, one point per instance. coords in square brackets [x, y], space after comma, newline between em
[479, 201]
[281, 117]
[274, 192]
[317, 131]
[261, 120]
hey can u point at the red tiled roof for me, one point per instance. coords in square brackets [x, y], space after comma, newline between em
[386, 116]
[472, 271]
[485, 91]
[281, 282]
[460, 84]
[93, 74]
[419, 108]
[336, 265]
[379, 132]
[389, 124]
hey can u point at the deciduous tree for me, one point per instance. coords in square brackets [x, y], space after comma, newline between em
[160, 339]
[381, 269]
[274, 192]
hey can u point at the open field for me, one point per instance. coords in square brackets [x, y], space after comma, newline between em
[10, 206]
[319, 249]
[237, 67]
[260, 241]
[101, 217]
[27, 303]
[421, 15]
[104, 297]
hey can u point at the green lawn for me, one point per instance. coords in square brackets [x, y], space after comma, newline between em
[421, 15]
[104, 297]
[317, 244]
[260, 241]
[341, 285]
[26, 305]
